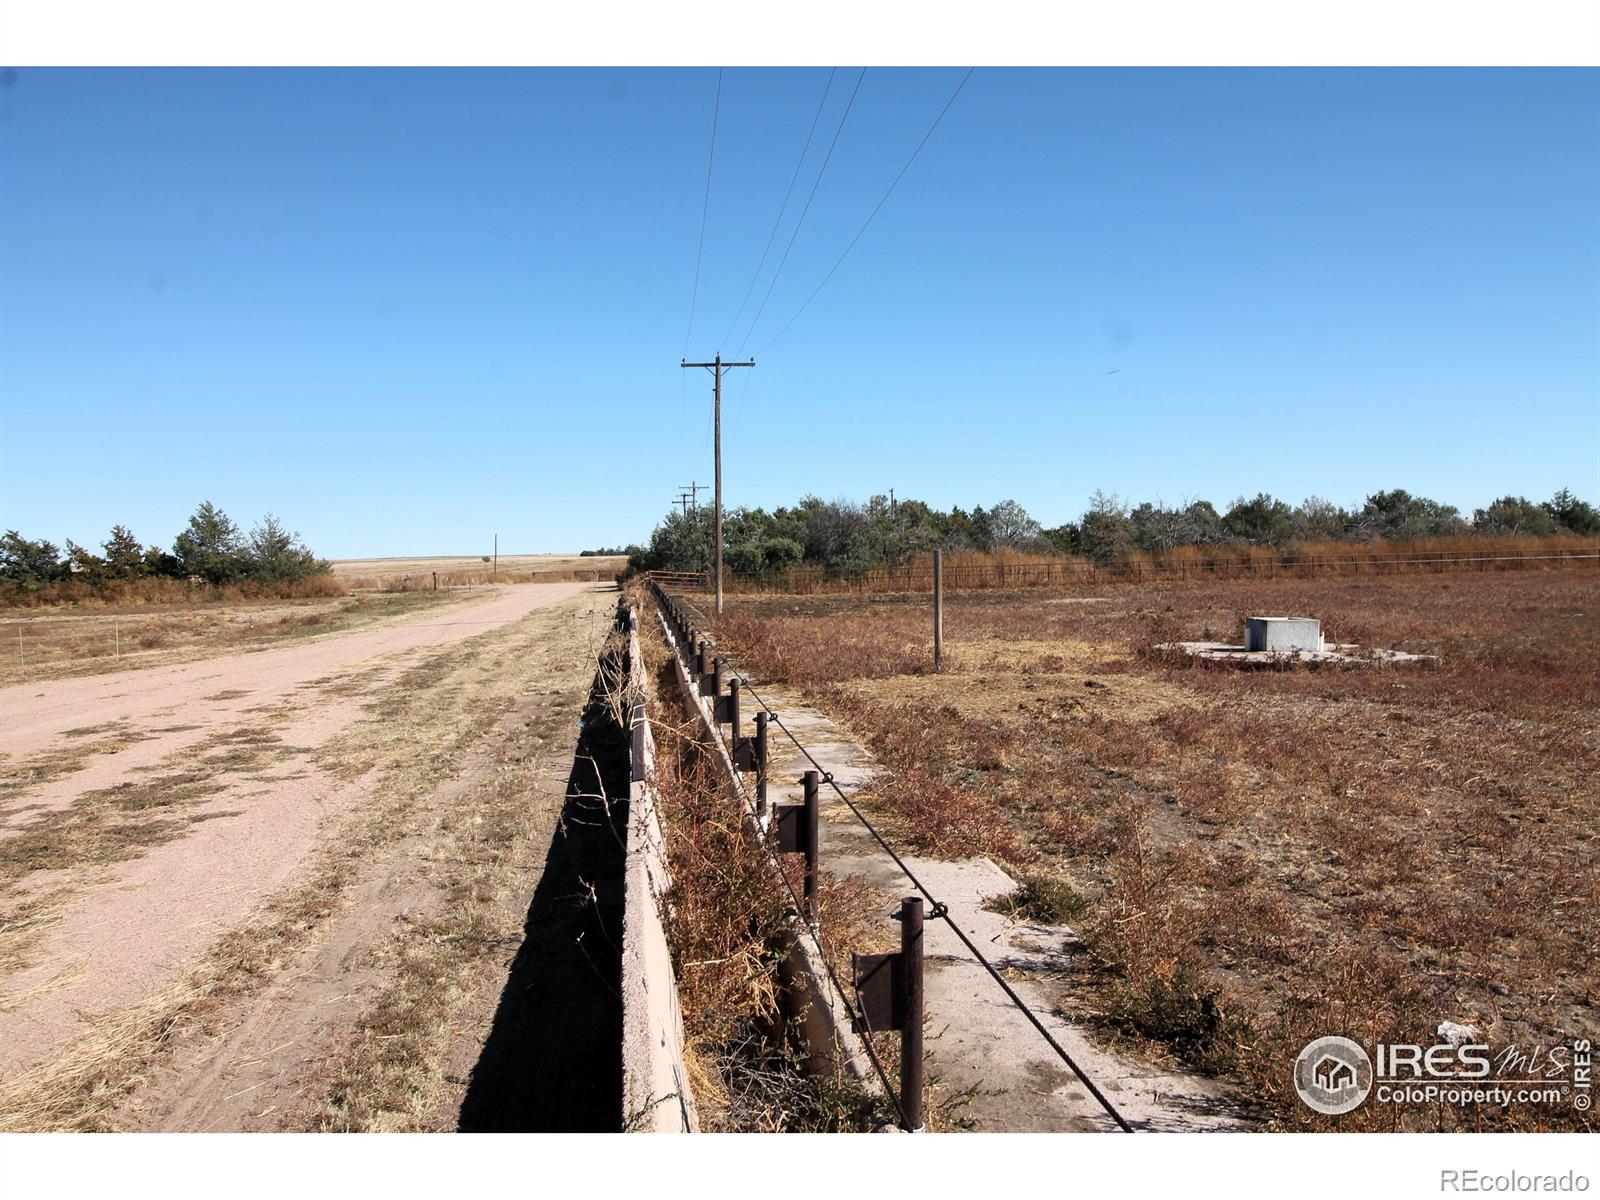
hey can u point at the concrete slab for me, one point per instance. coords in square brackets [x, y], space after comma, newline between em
[1345, 654]
[978, 1041]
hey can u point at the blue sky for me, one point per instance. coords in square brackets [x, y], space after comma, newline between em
[408, 309]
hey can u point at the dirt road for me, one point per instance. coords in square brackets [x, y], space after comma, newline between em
[182, 845]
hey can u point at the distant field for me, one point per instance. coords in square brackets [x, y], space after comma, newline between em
[36, 645]
[455, 564]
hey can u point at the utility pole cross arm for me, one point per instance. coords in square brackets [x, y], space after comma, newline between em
[716, 367]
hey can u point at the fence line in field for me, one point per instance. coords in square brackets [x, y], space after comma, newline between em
[918, 577]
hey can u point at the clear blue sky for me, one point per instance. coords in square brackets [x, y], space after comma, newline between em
[405, 310]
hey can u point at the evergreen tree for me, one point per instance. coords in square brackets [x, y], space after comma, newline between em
[210, 547]
[1572, 514]
[124, 557]
[29, 563]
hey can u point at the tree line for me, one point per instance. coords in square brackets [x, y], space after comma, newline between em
[845, 535]
[211, 549]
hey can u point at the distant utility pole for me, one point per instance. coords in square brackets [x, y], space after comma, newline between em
[494, 571]
[689, 497]
[717, 368]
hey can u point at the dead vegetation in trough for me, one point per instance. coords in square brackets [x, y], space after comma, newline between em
[725, 918]
[1260, 858]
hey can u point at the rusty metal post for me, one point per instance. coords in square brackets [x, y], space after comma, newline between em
[938, 610]
[911, 997]
[763, 805]
[813, 782]
[716, 684]
[733, 718]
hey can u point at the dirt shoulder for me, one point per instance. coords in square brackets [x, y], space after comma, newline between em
[316, 830]
[40, 645]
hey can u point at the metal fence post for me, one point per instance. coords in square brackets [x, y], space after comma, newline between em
[911, 1033]
[763, 805]
[813, 782]
[733, 717]
[938, 610]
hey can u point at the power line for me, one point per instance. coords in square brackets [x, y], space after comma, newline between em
[874, 212]
[705, 208]
[738, 413]
[782, 208]
[812, 196]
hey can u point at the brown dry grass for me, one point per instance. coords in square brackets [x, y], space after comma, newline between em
[51, 645]
[417, 574]
[725, 916]
[1008, 569]
[1265, 856]
[110, 594]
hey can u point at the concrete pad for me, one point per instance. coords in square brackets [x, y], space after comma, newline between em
[1344, 654]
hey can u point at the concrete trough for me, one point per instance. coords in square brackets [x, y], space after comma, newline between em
[657, 1097]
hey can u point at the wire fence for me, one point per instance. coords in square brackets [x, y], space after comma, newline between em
[1001, 575]
[937, 909]
[36, 642]
[811, 932]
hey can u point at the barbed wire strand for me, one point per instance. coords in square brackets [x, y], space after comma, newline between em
[939, 909]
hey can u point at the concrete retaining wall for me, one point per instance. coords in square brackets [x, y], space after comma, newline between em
[656, 1097]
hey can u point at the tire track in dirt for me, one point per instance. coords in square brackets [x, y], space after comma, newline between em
[287, 1056]
[119, 931]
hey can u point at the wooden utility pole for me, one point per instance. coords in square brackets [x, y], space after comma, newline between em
[938, 610]
[689, 497]
[716, 368]
[494, 571]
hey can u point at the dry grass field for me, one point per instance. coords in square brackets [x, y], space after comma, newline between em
[41, 644]
[512, 568]
[1255, 858]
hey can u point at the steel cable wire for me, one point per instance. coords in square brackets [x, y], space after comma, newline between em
[939, 909]
[815, 934]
